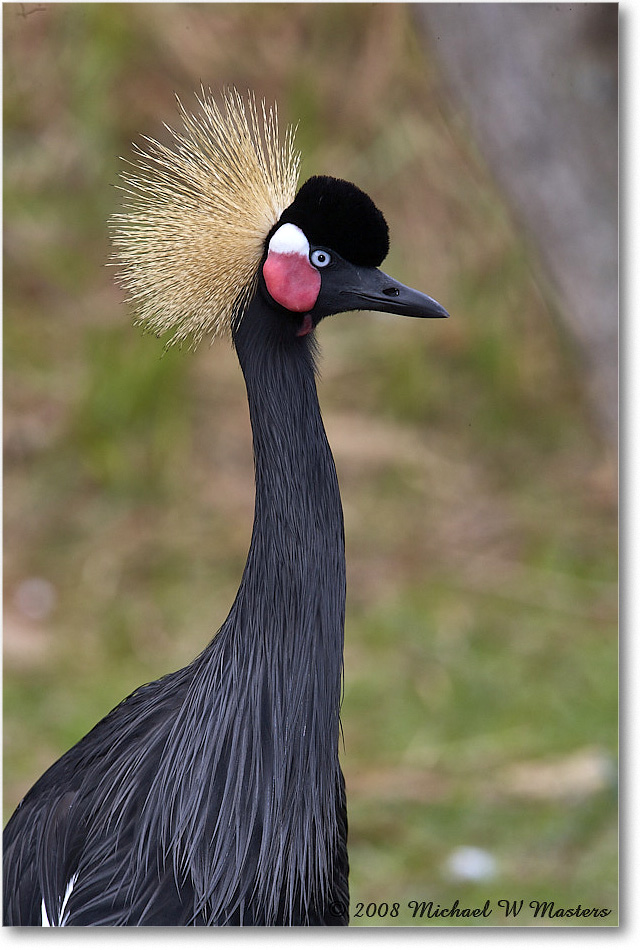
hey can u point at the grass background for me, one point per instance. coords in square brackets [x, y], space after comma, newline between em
[480, 701]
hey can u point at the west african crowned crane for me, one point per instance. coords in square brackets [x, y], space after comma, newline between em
[214, 795]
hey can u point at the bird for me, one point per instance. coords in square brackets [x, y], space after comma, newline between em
[214, 795]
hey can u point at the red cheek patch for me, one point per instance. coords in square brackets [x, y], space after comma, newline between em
[292, 281]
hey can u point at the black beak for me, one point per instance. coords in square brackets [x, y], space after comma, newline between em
[346, 286]
[374, 290]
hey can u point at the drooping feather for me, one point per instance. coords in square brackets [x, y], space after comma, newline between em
[197, 211]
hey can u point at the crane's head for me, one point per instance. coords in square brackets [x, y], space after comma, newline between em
[216, 219]
[323, 257]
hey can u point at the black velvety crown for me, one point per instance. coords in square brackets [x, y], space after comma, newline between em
[338, 215]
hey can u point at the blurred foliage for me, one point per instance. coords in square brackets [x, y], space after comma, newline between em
[481, 656]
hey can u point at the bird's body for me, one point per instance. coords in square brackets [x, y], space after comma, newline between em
[214, 795]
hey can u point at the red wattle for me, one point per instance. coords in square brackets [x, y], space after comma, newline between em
[307, 326]
[292, 281]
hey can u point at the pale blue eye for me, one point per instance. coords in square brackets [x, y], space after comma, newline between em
[320, 258]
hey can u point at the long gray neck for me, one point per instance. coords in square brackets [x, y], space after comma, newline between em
[291, 600]
[295, 568]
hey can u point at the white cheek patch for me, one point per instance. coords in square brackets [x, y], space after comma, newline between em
[289, 239]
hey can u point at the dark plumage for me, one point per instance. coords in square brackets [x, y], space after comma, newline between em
[214, 796]
[336, 214]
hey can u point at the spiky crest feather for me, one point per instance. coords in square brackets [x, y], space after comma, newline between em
[191, 236]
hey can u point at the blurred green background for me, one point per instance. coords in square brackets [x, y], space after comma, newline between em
[480, 707]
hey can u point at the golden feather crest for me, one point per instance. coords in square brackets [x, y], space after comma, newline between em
[196, 213]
